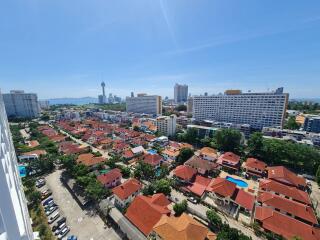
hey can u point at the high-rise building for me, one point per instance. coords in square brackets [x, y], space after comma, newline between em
[144, 103]
[312, 124]
[14, 217]
[180, 93]
[132, 94]
[44, 104]
[256, 109]
[21, 104]
[190, 105]
[102, 98]
[166, 125]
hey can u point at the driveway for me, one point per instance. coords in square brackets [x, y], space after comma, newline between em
[82, 223]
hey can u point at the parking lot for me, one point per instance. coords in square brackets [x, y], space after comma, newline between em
[83, 224]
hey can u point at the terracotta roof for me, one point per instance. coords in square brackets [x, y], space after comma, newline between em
[33, 143]
[58, 138]
[285, 176]
[185, 172]
[222, 187]
[127, 188]
[109, 176]
[145, 211]
[291, 192]
[244, 199]
[284, 225]
[152, 159]
[128, 154]
[255, 163]
[199, 163]
[171, 152]
[209, 152]
[38, 152]
[297, 209]
[181, 228]
[88, 159]
[199, 186]
[230, 158]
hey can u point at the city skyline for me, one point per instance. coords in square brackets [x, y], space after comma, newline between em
[210, 46]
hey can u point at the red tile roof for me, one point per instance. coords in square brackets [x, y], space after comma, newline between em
[199, 163]
[291, 192]
[185, 172]
[255, 163]
[284, 225]
[283, 175]
[297, 209]
[145, 211]
[88, 159]
[109, 176]
[128, 154]
[230, 158]
[199, 186]
[127, 188]
[244, 199]
[38, 152]
[222, 187]
[152, 159]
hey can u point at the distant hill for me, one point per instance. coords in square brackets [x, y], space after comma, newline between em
[315, 100]
[76, 101]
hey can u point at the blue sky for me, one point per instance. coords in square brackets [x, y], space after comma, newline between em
[60, 48]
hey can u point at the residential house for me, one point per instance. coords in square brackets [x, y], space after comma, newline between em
[181, 228]
[221, 190]
[208, 153]
[244, 200]
[89, 160]
[155, 160]
[137, 151]
[170, 153]
[145, 211]
[255, 167]
[199, 185]
[185, 173]
[126, 192]
[110, 179]
[229, 161]
[203, 167]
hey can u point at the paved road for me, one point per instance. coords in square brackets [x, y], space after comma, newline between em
[83, 225]
[201, 209]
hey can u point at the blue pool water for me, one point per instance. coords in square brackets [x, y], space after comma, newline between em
[239, 182]
[22, 171]
[152, 151]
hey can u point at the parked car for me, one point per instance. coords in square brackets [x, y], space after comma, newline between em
[58, 230]
[47, 208]
[72, 237]
[40, 182]
[193, 200]
[63, 232]
[44, 203]
[59, 222]
[51, 210]
[53, 217]
[45, 194]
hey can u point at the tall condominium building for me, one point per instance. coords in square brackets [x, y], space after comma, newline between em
[180, 93]
[190, 105]
[14, 218]
[256, 109]
[144, 103]
[21, 104]
[312, 124]
[166, 125]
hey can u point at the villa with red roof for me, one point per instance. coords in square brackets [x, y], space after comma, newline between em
[255, 167]
[145, 211]
[126, 192]
[155, 160]
[89, 159]
[221, 190]
[208, 153]
[110, 179]
[204, 167]
[229, 161]
[199, 185]
[284, 225]
[185, 173]
[285, 176]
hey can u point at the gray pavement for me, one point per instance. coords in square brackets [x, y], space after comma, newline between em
[82, 223]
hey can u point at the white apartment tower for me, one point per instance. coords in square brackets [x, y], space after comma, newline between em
[14, 217]
[166, 125]
[180, 93]
[256, 109]
[144, 103]
[21, 104]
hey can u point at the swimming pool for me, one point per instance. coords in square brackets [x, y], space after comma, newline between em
[22, 171]
[239, 182]
[152, 151]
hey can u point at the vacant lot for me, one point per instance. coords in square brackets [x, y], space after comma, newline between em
[82, 223]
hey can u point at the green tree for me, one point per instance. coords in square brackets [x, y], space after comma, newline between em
[181, 107]
[292, 124]
[214, 219]
[34, 198]
[318, 175]
[255, 144]
[144, 171]
[96, 191]
[180, 208]
[228, 140]
[136, 128]
[163, 186]
[68, 162]
[125, 171]
[184, 155]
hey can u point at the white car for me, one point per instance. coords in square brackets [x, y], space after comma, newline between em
[63, 232]
[53, 217]
[60, 228]
[51, 210]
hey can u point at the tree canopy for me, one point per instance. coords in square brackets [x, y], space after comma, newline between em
[228, 140]
[184, 155]
[180, 208]
[292, 124]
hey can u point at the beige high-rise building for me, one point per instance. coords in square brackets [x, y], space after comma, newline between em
[144, 103]
[166, 125]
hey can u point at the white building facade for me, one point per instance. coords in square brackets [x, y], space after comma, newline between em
[14, 217]
[144, 104]
[21, 104]
[180, 93]
[166, 125]
[256, 109]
